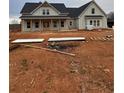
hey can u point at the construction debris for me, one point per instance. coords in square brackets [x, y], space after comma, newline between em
[109, 36]
[63, 45]
[106, 70]
[66, 39]
[52, 50]
[28, 41]
[101, 38]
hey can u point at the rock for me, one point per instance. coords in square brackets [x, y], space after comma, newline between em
[106, 70]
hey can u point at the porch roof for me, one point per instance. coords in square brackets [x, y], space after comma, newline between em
[45, 17]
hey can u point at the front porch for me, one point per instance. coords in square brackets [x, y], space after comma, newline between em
[44, 24]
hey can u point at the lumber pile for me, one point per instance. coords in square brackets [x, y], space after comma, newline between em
[28, 41]
[52, 50]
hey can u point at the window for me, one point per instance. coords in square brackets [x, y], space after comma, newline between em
[94, 22]
[43, 11]
[62, 23]
[93, 10]
[48, 12]
[90, 22]
[28, 25]
[54, 24]
[98, 23]
[36, 24]
[71, 23]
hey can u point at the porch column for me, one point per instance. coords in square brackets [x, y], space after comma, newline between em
[40, 26]
[51, 24]
[31, 24]
[66, 24]
[22, 25]
[59, 25]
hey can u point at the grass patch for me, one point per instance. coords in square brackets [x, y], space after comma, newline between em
[82, 70]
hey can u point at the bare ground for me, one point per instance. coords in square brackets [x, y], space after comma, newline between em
[40, 71]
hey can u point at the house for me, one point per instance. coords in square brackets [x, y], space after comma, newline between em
[56, 16]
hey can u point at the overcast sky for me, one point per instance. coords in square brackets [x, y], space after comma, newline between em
[15, 6]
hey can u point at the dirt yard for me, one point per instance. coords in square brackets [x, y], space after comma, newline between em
[41, 71]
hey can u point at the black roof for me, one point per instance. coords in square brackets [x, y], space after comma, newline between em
[60, 7]
[29, 7]
[72, 12]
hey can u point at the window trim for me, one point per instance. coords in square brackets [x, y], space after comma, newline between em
[43, 12]
[93, 11]
[91, 22]
[95, 23]
[47, 12]
[98, 22]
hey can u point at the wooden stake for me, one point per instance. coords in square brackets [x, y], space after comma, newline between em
[36, 47]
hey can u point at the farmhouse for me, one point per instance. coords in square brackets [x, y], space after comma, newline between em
[56, 16]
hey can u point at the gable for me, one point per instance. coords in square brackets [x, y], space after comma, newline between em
[75, 12]
[39, 12]
[45, 7]
[88, 10]
[31, 7]
[59, 8]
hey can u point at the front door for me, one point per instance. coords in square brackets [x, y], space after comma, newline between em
[46, 25]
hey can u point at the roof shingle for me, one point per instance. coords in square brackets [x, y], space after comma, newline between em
[73, 12]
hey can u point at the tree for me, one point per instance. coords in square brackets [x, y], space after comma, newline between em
[14, 21]
[111, 16]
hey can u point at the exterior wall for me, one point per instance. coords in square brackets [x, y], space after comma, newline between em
[104, 25]
[24, 26]
[100, 20]
[41, 28]
[65, 25]
[33, 26]
[39, 12]
[52, 25]
[77, 23]
[82, 20]
[73, 26]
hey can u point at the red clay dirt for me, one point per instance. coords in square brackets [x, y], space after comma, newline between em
[40, 71]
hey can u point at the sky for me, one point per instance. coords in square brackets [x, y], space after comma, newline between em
[15, 6]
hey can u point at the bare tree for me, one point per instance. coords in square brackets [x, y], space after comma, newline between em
[14, 21]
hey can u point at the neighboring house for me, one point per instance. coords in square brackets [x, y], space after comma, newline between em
[56, 16]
